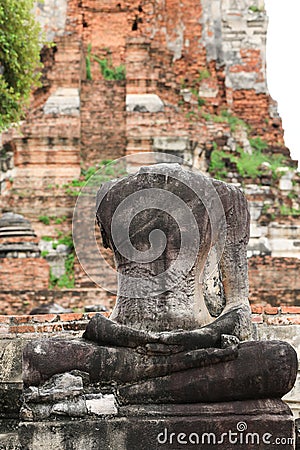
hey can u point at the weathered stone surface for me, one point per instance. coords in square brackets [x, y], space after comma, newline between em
[59, 387]
[105, 331]
[241, 425]
[52, 15]
[49, 308]
[286, 178]
[284, 239]
[10, 399]
[171, 144]
[44, 358]
[62, 395]
[272, 376]
[144, 103]
[70, 407]
[99, 405]
[9, 439]
[10, 378]
[204, 381]
[210, 209]
[17, 237]
[64, 101]
[291, 334]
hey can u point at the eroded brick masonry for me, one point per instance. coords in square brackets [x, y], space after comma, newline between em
[194, 83]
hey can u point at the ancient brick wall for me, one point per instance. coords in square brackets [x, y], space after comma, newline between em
[70, 323]
[280, 273]
[181, 47]
[198, 59]
[167, 51]
[103, 129]
[74, 323]
[274, 281]
[21, 300]
[27, 273]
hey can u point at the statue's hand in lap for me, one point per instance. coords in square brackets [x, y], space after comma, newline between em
[106, 332]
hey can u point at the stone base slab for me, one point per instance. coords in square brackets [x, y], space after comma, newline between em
[258, 424]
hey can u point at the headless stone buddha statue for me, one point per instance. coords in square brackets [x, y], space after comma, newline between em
[168, 339]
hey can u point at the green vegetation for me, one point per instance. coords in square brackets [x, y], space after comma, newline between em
[226, 117]
[250, 165]
[218, 164]
[258, 144]
[61, 239]
[268, 210]
[65, 240]
[194, 90]
[45, 220]
[203, 74]
[280, 210]
[107, 166]
[265, 208]
[201, 102]
[19, 58]
[288, 211]
[190, 115]
[88, 63]
[66, 280]
[207, 116]
[246, 165]
[106, 170]
[59, 220]
[255, 8]
[292, 195]
[108, 71]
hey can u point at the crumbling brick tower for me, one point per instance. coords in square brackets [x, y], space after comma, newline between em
[183, 77]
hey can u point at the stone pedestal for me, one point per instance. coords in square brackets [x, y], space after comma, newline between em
[253, 424]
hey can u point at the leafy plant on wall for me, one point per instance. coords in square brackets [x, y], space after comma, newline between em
[108, 71]
[20, 37]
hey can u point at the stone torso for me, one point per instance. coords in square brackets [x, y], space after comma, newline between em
[158, 225]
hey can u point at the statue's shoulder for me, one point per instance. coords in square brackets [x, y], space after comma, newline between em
[156, 176]
[230, 189]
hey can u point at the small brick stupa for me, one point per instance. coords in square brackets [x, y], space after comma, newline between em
[21, 265]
